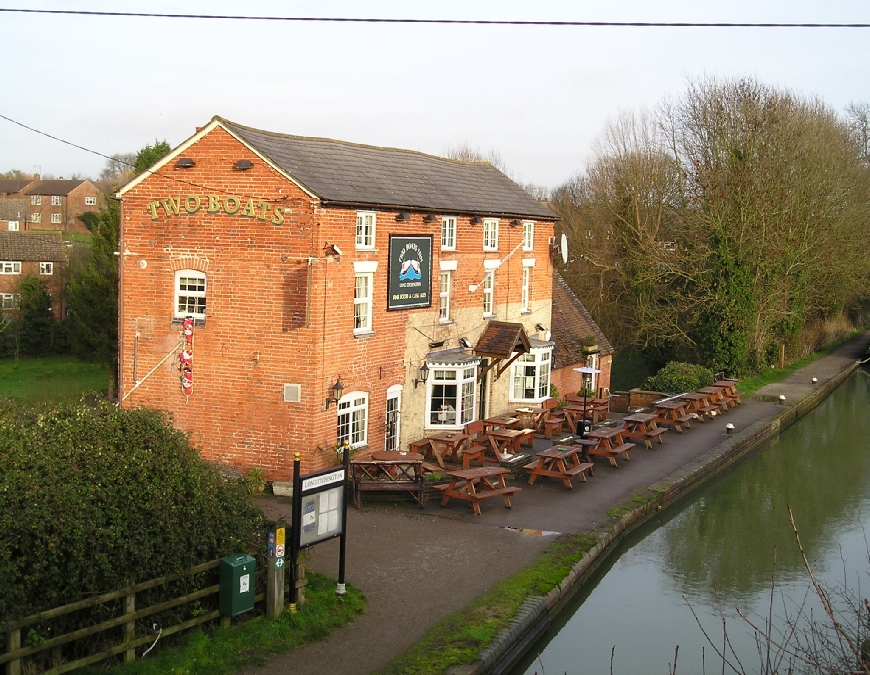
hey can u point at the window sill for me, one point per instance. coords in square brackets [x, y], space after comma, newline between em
[446, 322]
[525, 311]
[363, 334]
[179, 320]
[490, 317]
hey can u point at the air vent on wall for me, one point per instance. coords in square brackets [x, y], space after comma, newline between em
[292, 393]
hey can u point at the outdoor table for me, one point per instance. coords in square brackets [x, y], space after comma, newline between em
[475, 485]
[533, 418]
[387, 472]
[506, 421]
[643, 426]
[506, 442]
[698, 404]
[673, 413]
[610, 444]
[574, 413]
[560, 461]
[718, 397]
[446, 444]
[729, 388]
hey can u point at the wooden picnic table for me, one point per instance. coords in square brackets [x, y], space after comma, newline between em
[560, 461]
[611, 443]
[475, 485]
[718, 397]
[501, 421]
[729, 387]
[533, 418]
[599, 406]
[446, 444]
[388, 471]
[506, 442]
[698, 404]
[643, 426]
[672, 412]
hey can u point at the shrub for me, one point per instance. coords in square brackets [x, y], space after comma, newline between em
[95, 498]
[677, 377]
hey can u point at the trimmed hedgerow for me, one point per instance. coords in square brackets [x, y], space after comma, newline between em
[95, 498]
[677, 377]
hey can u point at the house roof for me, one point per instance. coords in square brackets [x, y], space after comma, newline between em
[571, 324]
[14, 209]
[11, 186]
[500, 339]
[349, 174]
[54, 187]
[31, 247]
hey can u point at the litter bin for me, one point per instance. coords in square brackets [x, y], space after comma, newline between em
[237, 584]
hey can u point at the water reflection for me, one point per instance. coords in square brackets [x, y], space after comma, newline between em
[718, 550]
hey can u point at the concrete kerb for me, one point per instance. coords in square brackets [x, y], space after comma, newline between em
[536, 614]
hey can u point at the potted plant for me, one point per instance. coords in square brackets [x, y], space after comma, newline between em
[255, 479]
[590, 345]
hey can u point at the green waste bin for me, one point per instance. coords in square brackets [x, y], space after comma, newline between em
[237, 584]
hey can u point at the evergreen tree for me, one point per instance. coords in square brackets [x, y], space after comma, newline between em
[35, 317]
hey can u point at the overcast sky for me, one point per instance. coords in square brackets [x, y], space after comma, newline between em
[537, 95]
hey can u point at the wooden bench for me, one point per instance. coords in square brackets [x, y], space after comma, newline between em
[387, 476]
[463, 485]
[678, 422]
[613, 453]
[647, 436]
[555, 422]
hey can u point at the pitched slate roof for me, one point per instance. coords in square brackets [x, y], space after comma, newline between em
[344, 173]
[501, 339]
[54, 187]
[31, 247]
[572, 323]
[11, 186]
[14, 209]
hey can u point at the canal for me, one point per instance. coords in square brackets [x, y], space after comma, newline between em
[719, 551]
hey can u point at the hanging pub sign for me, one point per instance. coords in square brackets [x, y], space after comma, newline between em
[410, 272]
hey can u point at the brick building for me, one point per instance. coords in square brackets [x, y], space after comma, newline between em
[57, 205]
[24, 254]
[414, 282]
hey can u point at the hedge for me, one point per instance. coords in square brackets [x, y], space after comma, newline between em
[677, 377]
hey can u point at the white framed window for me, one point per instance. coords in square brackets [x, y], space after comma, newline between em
[353, 419]
[13, 226]
[56, 217]
[524, 290]
[36, 217]
[90, 201]
[490, 234]
[451, 394]
[528, 235]
[393, 418]
[10, 267]
[444, 296]
[530, 377]
[46, 268]
[56, 200]
[190, 293]
[488, 293]
[362, 302]
[365, 229]
[8, 301]
[36, 200]
[448, 233]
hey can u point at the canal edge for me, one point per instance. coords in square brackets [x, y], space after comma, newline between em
[536, 613]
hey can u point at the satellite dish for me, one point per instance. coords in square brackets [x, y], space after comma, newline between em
[563, 248]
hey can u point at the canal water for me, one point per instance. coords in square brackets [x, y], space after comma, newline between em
[720, 550]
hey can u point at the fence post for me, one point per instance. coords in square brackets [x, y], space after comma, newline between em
[13, 642]
[130, 627]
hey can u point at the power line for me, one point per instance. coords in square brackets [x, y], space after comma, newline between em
[460, 22]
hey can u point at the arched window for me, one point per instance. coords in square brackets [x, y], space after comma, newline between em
[353, 419]
[190, 290]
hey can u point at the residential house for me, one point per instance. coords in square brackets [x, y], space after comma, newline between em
[57, 205]
[283, 294]
[24, 254]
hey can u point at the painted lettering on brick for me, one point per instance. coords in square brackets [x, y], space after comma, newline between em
[230, 204]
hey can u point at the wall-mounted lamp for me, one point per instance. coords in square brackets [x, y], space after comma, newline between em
[476, 220]
[184, 163]
[515, 222]
[430, 218]
[541, 328]
[436, 343]
[332, 249]
[403, 217]
[243, 165]
[464, 343]
[424, 375]
[334, 395]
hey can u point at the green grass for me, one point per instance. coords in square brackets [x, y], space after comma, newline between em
[53, 378]
[223, 651]
[461, 637]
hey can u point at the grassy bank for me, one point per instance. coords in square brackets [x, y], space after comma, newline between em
[52, 378]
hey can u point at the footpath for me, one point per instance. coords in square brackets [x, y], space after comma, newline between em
[419, 566]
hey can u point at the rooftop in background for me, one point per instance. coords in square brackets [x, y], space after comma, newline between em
[571, 324]
[14, 209]
[12, 186]
[31, 247]
[54, 187]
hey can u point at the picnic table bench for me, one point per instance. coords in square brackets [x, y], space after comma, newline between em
[673, 413]
[643, 427]
[560, 461]
[610, 444]
[388, 472]
[476, 484]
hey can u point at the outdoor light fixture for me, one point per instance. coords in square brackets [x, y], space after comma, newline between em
[515, 222]
[476, 220]
[430, 218]
[464, 343]
[424, 375]
[184, 163]
[436, 343]
[403, 216]
[243, 165]
[334, 392]
[541, 328]
[729, 428]
[781, 399]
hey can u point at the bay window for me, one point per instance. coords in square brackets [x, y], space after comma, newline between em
[530, 381]
[451, 396]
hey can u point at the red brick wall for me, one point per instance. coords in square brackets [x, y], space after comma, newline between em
[263, 328]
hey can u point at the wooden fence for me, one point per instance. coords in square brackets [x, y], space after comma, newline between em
[15, 652]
